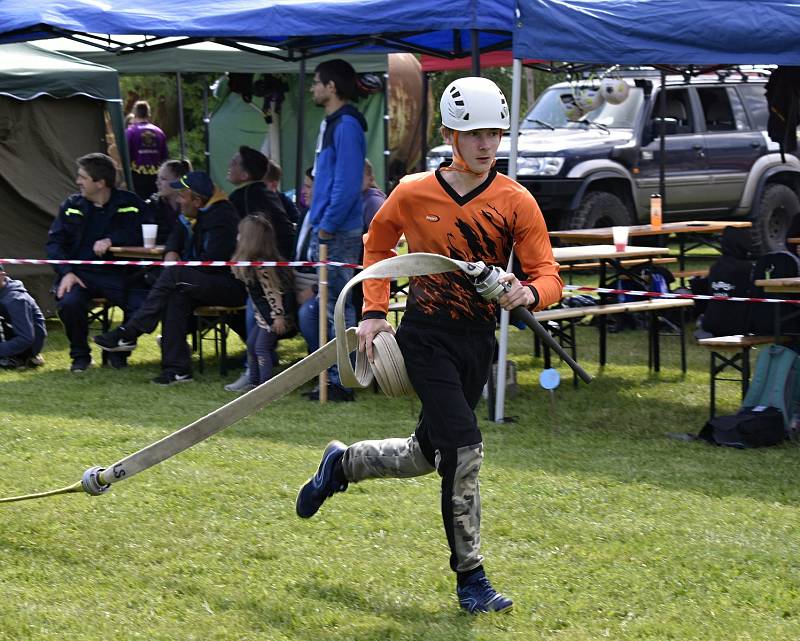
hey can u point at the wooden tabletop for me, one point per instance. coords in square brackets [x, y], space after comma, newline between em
[686, 227]
[138, 252]
[597, 252]
[787, 285]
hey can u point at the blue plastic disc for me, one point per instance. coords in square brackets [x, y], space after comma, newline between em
[549, 378]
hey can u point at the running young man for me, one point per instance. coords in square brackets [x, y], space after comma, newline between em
[469, 212]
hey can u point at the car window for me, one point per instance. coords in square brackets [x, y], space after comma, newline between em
[717, 110]
[678, 109]
[755, 99]
[739, 114]
[549, 111]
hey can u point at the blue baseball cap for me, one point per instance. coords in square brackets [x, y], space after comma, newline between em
[197, 181]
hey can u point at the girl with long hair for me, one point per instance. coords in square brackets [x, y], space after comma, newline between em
[272, 292]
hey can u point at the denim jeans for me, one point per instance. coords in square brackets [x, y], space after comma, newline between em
[344, 247]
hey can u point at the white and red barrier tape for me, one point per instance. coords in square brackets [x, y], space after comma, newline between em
[632, 292]
[173, 263]
[306, 263]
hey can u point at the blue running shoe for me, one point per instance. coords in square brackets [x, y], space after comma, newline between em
[477, 595]
[323, 484]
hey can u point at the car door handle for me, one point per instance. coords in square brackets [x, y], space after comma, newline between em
[755, 144]
[697, 147]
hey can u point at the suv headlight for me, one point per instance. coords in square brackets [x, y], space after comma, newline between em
[539, 165]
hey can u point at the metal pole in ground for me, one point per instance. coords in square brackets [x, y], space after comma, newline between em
[323, 317]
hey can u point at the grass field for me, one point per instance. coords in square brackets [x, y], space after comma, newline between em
[595, 523]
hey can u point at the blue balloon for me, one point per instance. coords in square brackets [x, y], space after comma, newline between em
[549, 378]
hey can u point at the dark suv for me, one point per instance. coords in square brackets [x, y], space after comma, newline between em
[601, 170]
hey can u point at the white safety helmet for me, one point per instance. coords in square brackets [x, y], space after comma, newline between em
[614, 90]
[571, 109]
[588, 98]
[474, 103]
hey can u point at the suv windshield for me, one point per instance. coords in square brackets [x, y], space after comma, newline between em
[548, 112]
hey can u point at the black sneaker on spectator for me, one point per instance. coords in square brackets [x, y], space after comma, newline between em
[116, 341]
[81, 364]
[9, 362]
[336, 394]
[171, 378]
[118, 360]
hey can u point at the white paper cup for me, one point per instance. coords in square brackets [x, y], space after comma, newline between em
[149, 233]
[620, 234]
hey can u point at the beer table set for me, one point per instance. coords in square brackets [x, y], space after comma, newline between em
[690, 234]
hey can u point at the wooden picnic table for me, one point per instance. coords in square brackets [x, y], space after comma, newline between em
[690, 234]
[145, 253]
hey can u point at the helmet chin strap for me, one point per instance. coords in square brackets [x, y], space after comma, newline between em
[459, 163]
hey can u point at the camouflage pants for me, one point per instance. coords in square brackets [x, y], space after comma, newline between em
[460, 496]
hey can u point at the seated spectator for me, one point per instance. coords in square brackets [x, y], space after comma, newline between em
[272, 291]
[272, 179]
[163, 205]
[372, 198]
[179, 290]
[22, 329]
[371, 195]
[87, 224]
[729, 276]
[246, 170]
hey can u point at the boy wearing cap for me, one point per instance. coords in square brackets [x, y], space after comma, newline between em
[471, 213]
[22, 329]
[87, 225]
[209, 233]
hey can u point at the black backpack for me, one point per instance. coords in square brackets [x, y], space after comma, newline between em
[780, 264]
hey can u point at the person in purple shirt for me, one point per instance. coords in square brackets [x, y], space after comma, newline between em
[147, 149]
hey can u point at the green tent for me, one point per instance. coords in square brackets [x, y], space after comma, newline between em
[53, 109]
[235, 122]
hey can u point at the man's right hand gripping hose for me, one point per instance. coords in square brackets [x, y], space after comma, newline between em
[489, 286]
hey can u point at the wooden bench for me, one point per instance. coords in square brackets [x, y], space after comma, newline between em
[737, 348]
[213, 319]
[631, 262]
[690, 273]
[574, 314]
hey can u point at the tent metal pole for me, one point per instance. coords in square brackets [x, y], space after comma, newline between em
[206, 124]
[386, 125]
[299, 138]
[476, 52]
[182, 133]
[502, 345]
[662, 184]
[423, 129]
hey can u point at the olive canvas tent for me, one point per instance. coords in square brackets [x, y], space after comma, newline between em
[53, 108]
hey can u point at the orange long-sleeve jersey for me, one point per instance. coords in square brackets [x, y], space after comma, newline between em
[482, 225]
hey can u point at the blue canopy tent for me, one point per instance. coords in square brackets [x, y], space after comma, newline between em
[659, 32]
[301, 28]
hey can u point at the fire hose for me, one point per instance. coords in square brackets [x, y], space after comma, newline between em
[388, 369]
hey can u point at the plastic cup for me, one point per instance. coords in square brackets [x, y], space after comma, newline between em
[620, 234]
[149, 233]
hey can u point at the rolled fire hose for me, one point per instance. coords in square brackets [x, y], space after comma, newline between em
[388, 370]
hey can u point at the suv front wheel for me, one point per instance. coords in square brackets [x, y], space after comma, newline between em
[598, 209]
[776, 210]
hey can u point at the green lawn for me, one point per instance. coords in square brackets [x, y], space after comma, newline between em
[595, 523]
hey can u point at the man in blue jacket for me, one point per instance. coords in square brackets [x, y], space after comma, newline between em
[22, 329]
[336, 214]
[87, 225]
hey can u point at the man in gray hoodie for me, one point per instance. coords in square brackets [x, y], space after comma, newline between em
[22, 329]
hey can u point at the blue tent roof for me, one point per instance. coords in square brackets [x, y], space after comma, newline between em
[659, 31]
[438, 26]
